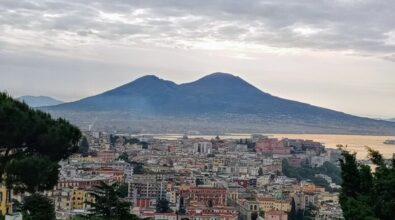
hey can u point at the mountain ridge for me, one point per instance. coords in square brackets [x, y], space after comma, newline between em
[39, 101]
[214, 96]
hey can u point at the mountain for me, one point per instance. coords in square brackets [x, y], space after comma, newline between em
[39, 101]
[218, 102]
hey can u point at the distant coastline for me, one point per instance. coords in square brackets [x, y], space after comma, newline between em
[355, 143]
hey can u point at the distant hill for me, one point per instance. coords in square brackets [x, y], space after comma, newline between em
[39, 101]
[212, 102]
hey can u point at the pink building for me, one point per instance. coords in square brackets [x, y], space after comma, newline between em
[271, 146]
[242, 183]
[295, 161]
[206, 195]
[276, 215]
[83, 183]
[143, 203]
[107, 156]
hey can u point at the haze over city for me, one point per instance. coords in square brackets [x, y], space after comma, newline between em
[333, 54]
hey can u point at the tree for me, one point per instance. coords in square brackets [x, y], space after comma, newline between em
[262, 213]
[138, 168]
[122, 190]
[199, 182]
[124, 156]
[31, 145]
[210, 155]
[292, 213]
[254, 215]
[144, 145]
[162, 206]
[364, 194]
[84, 146]
[309, 212]
[38, 207]
[182, 209]
[32, 174]
[305, 172]
[108, 204]
[260, 171]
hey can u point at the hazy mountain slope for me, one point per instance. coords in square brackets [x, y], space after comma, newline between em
[39, 101]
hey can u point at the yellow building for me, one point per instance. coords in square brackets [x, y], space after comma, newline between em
[272, 204]
[217, 162]
[80, 197]
[5, 201]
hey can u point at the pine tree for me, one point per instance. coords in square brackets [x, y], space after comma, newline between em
[108, 204]
[31, 145]
[367, 195]
[38, 207]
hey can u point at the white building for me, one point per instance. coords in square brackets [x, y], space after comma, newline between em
[241, 148]
[202, 148]
[263, 180]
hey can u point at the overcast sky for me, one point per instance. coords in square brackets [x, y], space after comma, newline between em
[338, 54]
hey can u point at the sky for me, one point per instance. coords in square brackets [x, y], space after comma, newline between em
[338, 54]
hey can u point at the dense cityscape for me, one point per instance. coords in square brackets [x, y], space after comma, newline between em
[203, 179]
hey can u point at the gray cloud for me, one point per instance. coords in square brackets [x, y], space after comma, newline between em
[338, 54]
[357, 26]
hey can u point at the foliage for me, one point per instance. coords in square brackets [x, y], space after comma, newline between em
[254, 215]
[38, 207]
[122, 190]
[199, 182]
[144, 145]
[32, 144]
[32, 174]
[260, 171]
[84, 146]
[308, 213]
[292, 213]
[162, 206]
[262, 213]
[124, 156]
[182, 210]
[305, 172]
[367, 195]
[108, 203]
[114, 139]
[138, 167]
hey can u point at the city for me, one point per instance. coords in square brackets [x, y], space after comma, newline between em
[201, 178]
[197, 110]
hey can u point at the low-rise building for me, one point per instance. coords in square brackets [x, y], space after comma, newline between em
[5, 200]
[276, 215]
